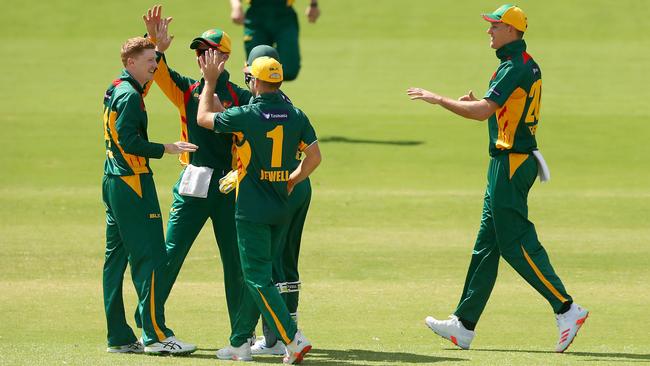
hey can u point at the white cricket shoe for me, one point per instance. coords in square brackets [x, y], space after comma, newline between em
[297, 349]
[260, 348]
[568, 325]
[451, 329]
[170, 346]
[241, 353]
[135, 347]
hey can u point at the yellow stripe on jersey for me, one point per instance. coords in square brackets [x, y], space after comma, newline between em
[508, 118]
[168, 86]
[302, 146]
[137, 163]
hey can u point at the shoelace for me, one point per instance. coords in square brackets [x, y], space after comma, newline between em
[171, 345]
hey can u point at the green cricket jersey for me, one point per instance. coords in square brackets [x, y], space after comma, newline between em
[271, 3]
[516, 87]
[125, 129]
[215, 151]
[269, 132]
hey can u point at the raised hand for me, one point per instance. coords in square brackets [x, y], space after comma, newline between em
[151, 20]
[163, 39]
[212, 64]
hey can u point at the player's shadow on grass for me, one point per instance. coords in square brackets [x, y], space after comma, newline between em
[603, 356]
[348, 140]
[319, 356]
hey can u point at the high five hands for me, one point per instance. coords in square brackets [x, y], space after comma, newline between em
[158, 28]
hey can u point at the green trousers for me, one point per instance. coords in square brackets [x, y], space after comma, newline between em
[187, 217]
[285, 264]
[275, 26]
[134, 235]
[258, 245]
[506, 232]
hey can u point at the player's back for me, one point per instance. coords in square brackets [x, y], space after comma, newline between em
[273, 133]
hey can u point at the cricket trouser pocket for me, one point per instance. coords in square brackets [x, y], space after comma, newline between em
[195, 181]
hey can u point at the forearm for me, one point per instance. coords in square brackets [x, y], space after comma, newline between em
[306, 167]
[205, 113]
[475, 109]
[136, 145]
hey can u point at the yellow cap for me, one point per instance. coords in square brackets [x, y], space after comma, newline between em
[509, 14]
[267, 69]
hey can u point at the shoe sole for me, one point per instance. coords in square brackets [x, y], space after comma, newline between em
[122, 351]
[167, 353]
[300, 356]
[580, 322]
[264, 352]
[235, 359]
[451, 339]
[268, 353]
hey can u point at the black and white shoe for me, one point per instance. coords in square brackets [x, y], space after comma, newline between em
[170, 346]
[135, 347]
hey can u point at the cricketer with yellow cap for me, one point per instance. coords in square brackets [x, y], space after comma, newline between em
[269, 131]
[196, 195]
[285, 265]
[512, 107]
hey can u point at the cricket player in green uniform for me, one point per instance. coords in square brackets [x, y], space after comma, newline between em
[274, 23]
[196, 194]
[269, 131]
[285, 266]
[134, 232]
[512, 104]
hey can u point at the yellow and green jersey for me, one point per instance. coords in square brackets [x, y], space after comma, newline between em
[269, 131]
[125, 129]
[516, 87]
[215, 151]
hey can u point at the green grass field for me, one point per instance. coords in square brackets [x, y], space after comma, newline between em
[397, 200]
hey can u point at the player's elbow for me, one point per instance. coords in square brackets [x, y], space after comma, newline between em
[484, 109]
[203, 120]
[315, 158]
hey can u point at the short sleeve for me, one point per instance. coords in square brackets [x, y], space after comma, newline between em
[506, 80]
[307, 135]
[230, 121]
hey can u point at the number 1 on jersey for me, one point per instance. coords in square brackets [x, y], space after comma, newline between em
[277, 135]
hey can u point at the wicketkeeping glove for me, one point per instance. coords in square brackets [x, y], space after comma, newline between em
[228, 182]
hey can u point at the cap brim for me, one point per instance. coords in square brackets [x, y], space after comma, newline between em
[196, 42]
[491, 18]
